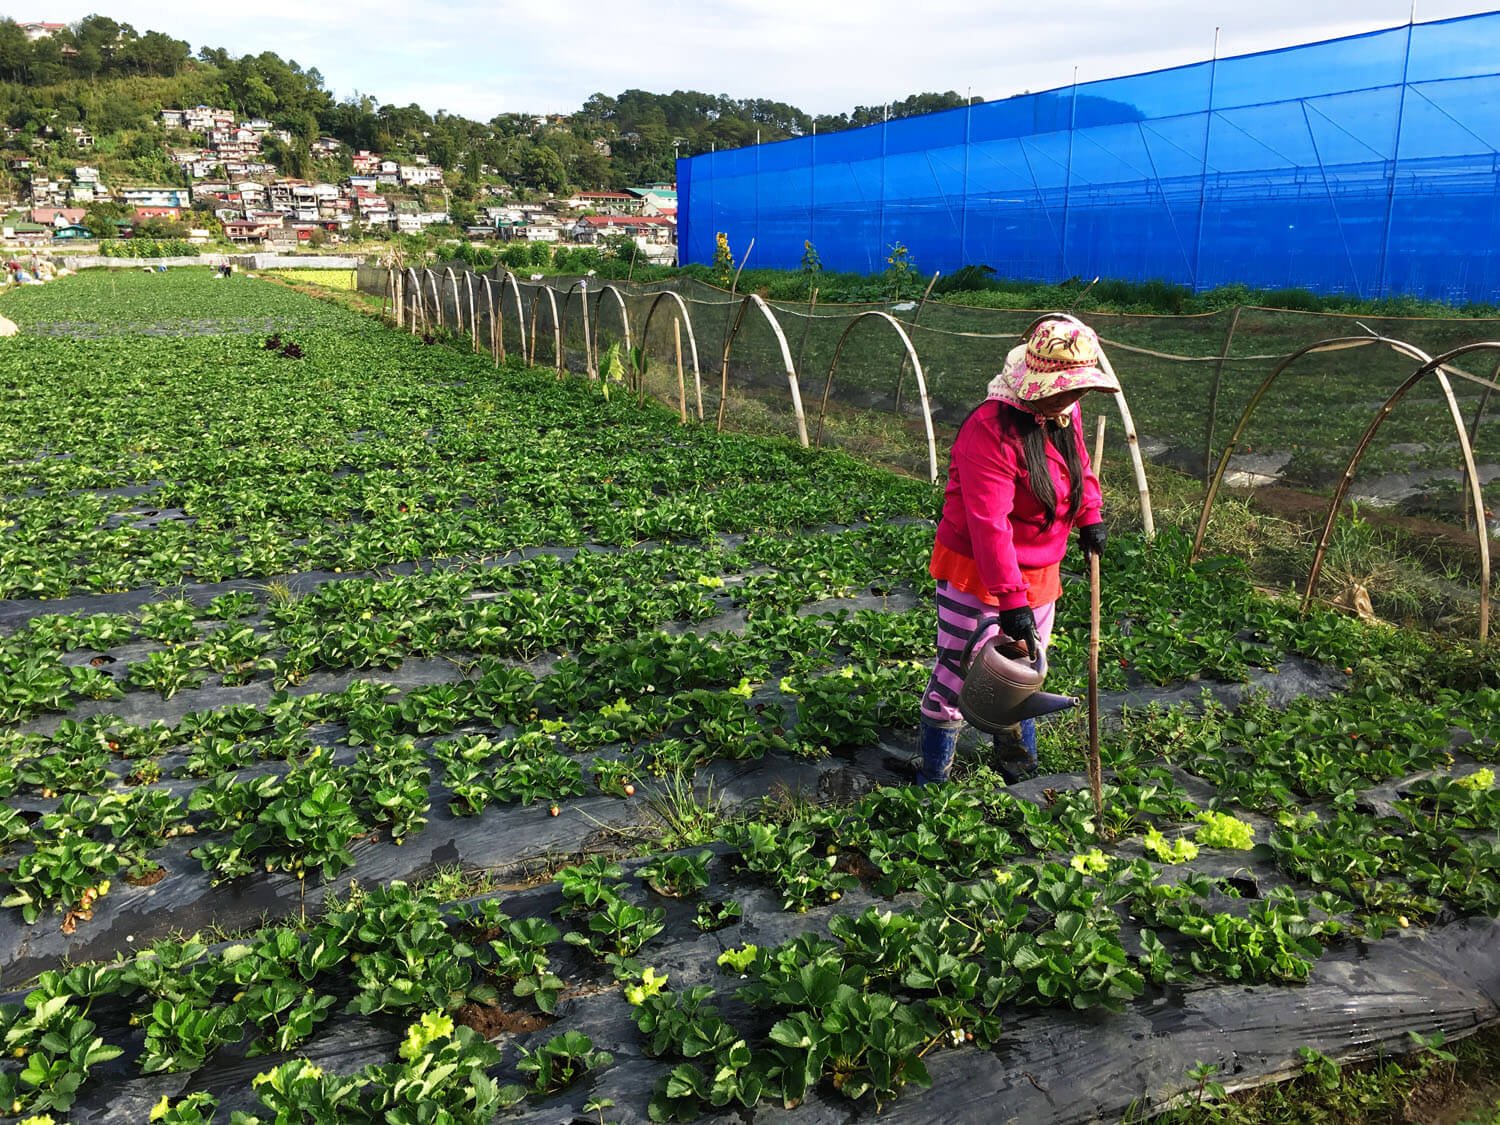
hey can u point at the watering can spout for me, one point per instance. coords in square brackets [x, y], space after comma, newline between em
[1043, 703]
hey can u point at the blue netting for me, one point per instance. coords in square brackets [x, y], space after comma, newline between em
[1367, 165]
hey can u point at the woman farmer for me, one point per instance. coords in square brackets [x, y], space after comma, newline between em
[1019, 481]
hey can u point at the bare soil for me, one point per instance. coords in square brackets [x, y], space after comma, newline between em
[492, 1022]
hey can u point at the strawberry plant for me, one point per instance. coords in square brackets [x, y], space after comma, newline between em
[712, 916]
[618, 928]
[519, 958]
[785, 859]
[589, 885]
[561, 1061]
[677, 876]
[70, 873]
[60, 1048]
[180, 1036]
[169, 671]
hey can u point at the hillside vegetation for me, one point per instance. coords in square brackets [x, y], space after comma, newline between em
[103, 76]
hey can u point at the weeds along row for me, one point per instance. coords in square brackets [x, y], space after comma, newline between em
[293, 623]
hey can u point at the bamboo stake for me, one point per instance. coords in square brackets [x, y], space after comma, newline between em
[812, 305]
[1099, 448]
[1096, 766]
[1484, 401]
[731, 319]
[1213, 397]
[1133, 443]
[681, 380]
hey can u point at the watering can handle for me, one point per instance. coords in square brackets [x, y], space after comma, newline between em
[980, 628]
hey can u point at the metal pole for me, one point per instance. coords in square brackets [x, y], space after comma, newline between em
[1390, 190]
[963, 214]
[1068, 180]
[1208, 124]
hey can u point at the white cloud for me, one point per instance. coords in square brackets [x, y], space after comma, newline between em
[483, 57]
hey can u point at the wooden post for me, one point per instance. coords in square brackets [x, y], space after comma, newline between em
[681, 380]
[1096, 766]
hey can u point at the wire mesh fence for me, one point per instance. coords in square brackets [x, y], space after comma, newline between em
[1264, 401]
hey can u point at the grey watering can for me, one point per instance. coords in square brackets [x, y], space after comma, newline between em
[1002, 684]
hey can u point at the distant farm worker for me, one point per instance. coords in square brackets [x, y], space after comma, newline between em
[1019, 480]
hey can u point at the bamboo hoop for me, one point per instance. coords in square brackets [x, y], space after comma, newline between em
[1133, 444]
[812, 304]
[588, 354]
[733, 317]
[1341, 343]
[786, 359]
[515, 288]
[1476, 498]
[909, 356]
[624, 313]
[497, 322]
[458, 307]
[437, 300]
[1484, 401]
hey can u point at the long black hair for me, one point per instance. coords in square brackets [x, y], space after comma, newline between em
[1034, 434]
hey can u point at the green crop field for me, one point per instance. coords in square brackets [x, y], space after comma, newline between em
[388, 735]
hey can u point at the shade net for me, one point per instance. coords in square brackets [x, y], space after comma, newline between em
[1365, 165]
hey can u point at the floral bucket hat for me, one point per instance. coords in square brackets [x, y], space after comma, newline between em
[1059, 355]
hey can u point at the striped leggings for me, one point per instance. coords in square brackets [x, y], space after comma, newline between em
[958, 615]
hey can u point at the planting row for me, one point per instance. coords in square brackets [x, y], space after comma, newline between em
[1016, 905]
[1169, 622]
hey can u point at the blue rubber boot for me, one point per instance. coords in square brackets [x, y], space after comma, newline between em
[1015, 752]
[937, 743]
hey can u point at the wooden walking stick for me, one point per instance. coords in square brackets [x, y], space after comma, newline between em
[1096, 767]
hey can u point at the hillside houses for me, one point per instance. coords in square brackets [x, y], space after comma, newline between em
[221, 157]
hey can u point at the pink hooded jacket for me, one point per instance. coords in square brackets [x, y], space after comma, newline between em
[989, 512]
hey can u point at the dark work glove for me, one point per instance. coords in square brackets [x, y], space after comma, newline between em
[1020, 625]
[1091, 539]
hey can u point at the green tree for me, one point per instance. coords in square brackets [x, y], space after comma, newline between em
[542, 168]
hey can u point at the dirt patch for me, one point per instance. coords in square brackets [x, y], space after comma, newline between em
[492, 1022]
[1451, 1100]
[147, 879]
[1310, 510]
[856, 864]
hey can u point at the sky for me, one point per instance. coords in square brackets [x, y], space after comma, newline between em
[480, 58]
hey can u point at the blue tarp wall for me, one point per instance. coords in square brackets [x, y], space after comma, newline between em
[1366, 165]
